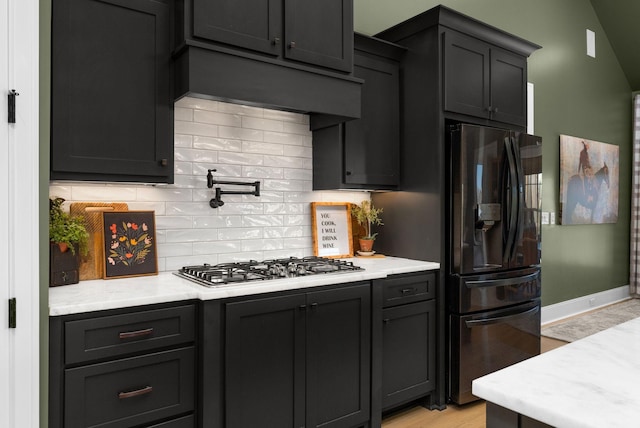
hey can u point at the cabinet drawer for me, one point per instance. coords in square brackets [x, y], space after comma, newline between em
[408, 288]
[130, 391]
[183, 422]
[116, 335]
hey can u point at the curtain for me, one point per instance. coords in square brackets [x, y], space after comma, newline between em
[634, 280]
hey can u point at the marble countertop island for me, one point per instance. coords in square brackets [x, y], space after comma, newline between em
[95, 295]
[591, 383]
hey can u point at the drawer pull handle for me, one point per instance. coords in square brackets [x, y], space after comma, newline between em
[136, 393]
[408, 290]
[138, 333]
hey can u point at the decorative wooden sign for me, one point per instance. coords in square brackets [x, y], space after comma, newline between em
[331, 222]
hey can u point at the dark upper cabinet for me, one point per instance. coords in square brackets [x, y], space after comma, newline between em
[483, 80]
[111, 101]
[250, 24]
[308, 31]
[364, 153]
[299, 359]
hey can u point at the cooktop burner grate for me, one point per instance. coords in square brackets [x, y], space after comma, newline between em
[239, 272]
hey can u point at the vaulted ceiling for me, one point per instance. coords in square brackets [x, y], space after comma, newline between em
[620, 20]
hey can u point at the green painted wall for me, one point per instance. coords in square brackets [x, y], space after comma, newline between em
[574, 95]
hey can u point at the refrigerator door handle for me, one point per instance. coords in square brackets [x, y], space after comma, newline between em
[520, 195]
[502, 282]
[496, 320]
[512, 202]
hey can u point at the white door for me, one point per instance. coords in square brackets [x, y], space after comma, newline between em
[19, 264]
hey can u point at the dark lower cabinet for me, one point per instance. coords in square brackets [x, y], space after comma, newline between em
[408, 353]
[111, 101]
[131, 391]
[299, 360]
[404, 341]
[124, 368]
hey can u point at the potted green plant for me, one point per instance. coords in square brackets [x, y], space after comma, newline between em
[68, 236]
[366, 215]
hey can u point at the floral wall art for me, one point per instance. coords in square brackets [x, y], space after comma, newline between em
[129, 244]
[589, 181]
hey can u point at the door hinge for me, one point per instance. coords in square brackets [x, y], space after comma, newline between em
[12, 106]
[12, 312]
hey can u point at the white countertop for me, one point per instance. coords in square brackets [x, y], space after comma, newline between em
[593, 382]
[95, 295]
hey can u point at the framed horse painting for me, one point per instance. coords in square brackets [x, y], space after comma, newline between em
[589, 181]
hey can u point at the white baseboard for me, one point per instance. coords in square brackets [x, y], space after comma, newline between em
[568, 308]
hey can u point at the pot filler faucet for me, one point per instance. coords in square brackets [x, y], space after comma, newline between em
[217, 200]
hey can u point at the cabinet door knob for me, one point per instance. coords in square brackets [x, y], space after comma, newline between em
[164, 162]
[348, 172]
[275, 41]
[292, 45]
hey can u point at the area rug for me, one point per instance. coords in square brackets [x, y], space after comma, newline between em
[592, 322]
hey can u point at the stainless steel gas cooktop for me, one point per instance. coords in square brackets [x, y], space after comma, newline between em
[239, 272]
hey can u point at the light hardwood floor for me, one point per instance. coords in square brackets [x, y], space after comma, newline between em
[470, 415]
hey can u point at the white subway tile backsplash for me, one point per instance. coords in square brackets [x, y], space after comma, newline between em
[286, 116]
[196, 155]
[240, 233]
[185, 114]
[262, 244]
[200, 248]
[173, 222]
[264, 148]
[242, 143]
[210, 143]
[299, 151]
[157, 207]
[217, 118]
[241, 133]
[262, 124]
[262, 172]
[262, 220]
[191, 235]
[296, 128]
[240, 158]
[175, 249]
[298, 174]
[240, 109]
[188, 102]
[284, 138]
[112, 193]
[284, 185]
[182, 140]
[163, 193]
[217, 221]
[282, 161]
[195, 128]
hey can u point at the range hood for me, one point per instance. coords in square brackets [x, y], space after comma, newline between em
[218, 73]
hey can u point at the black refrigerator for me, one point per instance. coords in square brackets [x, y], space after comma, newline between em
[493, 283]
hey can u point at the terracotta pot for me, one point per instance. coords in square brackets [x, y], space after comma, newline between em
[63, 247]
[366, 245]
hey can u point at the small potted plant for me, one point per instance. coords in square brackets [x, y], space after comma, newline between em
[68, 236]
[366, 215]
